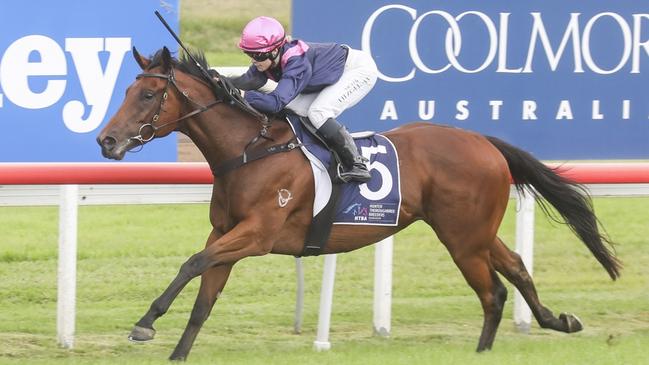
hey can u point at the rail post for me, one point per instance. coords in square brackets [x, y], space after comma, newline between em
[299, 296]
[525, 248]
[67, 266]
[326, 298]
[383, 286]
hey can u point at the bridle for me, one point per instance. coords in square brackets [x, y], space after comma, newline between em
[147, 131]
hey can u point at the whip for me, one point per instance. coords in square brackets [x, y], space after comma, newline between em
[221, 87]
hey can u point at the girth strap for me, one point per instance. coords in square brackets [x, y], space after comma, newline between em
[320, 228]
[253, 155]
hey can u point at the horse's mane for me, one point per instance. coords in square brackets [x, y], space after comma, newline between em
[223, 89]
[185, 64]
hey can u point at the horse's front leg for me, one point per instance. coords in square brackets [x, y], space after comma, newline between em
[242, 241]
[143, 330]
[212, 283]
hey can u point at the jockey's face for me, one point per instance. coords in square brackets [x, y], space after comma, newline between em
[263, 60]
[262, 66]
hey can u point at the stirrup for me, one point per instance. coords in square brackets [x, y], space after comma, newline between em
[348, 176]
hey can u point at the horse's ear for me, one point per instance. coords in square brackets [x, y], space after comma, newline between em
[166, 58]
[142, 61]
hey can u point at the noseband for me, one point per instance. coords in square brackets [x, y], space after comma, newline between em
[148, 131]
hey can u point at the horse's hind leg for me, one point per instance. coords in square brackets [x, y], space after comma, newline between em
[492, 293]
[510, 264]
[212, 283]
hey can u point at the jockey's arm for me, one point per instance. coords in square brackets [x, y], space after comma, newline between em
[294, 79]
[251, 80]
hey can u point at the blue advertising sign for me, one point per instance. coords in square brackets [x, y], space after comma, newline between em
[563, 80]
[64, 68]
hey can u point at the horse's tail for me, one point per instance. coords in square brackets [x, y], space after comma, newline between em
[569, 198]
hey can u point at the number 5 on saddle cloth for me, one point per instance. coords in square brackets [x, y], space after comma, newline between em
[376, 202]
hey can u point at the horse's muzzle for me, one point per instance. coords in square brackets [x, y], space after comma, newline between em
[109, 148]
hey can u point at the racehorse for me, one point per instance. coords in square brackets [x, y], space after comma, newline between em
[456, 181]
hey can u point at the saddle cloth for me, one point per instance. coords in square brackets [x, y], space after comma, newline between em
[376, 202]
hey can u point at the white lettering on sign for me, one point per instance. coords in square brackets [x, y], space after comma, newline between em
[495, 108]
[564, 111]
[528, 109]
[462, 110]
[16, 69]
[497, 33]
[97, 84]
[626, 109]
[389, 111]
[426, 109]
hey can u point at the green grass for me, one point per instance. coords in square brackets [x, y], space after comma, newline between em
[214, 26]
[128, 254]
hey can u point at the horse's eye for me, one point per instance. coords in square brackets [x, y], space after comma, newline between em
[148, 95]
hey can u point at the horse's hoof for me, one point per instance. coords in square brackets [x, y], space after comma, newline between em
[572, 321]
[177, 358]
[141, 334]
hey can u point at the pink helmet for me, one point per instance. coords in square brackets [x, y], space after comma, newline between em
[262, 34]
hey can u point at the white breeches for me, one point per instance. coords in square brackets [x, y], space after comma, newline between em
[358, 78]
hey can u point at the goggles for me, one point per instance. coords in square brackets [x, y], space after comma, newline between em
[261, 56]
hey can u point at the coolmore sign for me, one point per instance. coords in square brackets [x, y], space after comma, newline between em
[64, 67]
[563, 80]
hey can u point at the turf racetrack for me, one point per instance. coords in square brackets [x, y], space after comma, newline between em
[128, 254]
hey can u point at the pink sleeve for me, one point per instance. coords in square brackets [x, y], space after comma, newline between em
[297, 50]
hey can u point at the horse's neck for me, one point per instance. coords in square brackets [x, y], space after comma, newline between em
[222, 133]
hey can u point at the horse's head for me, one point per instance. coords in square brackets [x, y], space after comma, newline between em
[151, 102]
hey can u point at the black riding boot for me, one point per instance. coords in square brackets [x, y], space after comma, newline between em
[342, 143]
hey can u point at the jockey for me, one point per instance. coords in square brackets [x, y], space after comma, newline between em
[314, 80]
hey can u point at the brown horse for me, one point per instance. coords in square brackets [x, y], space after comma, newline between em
[457, 181]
